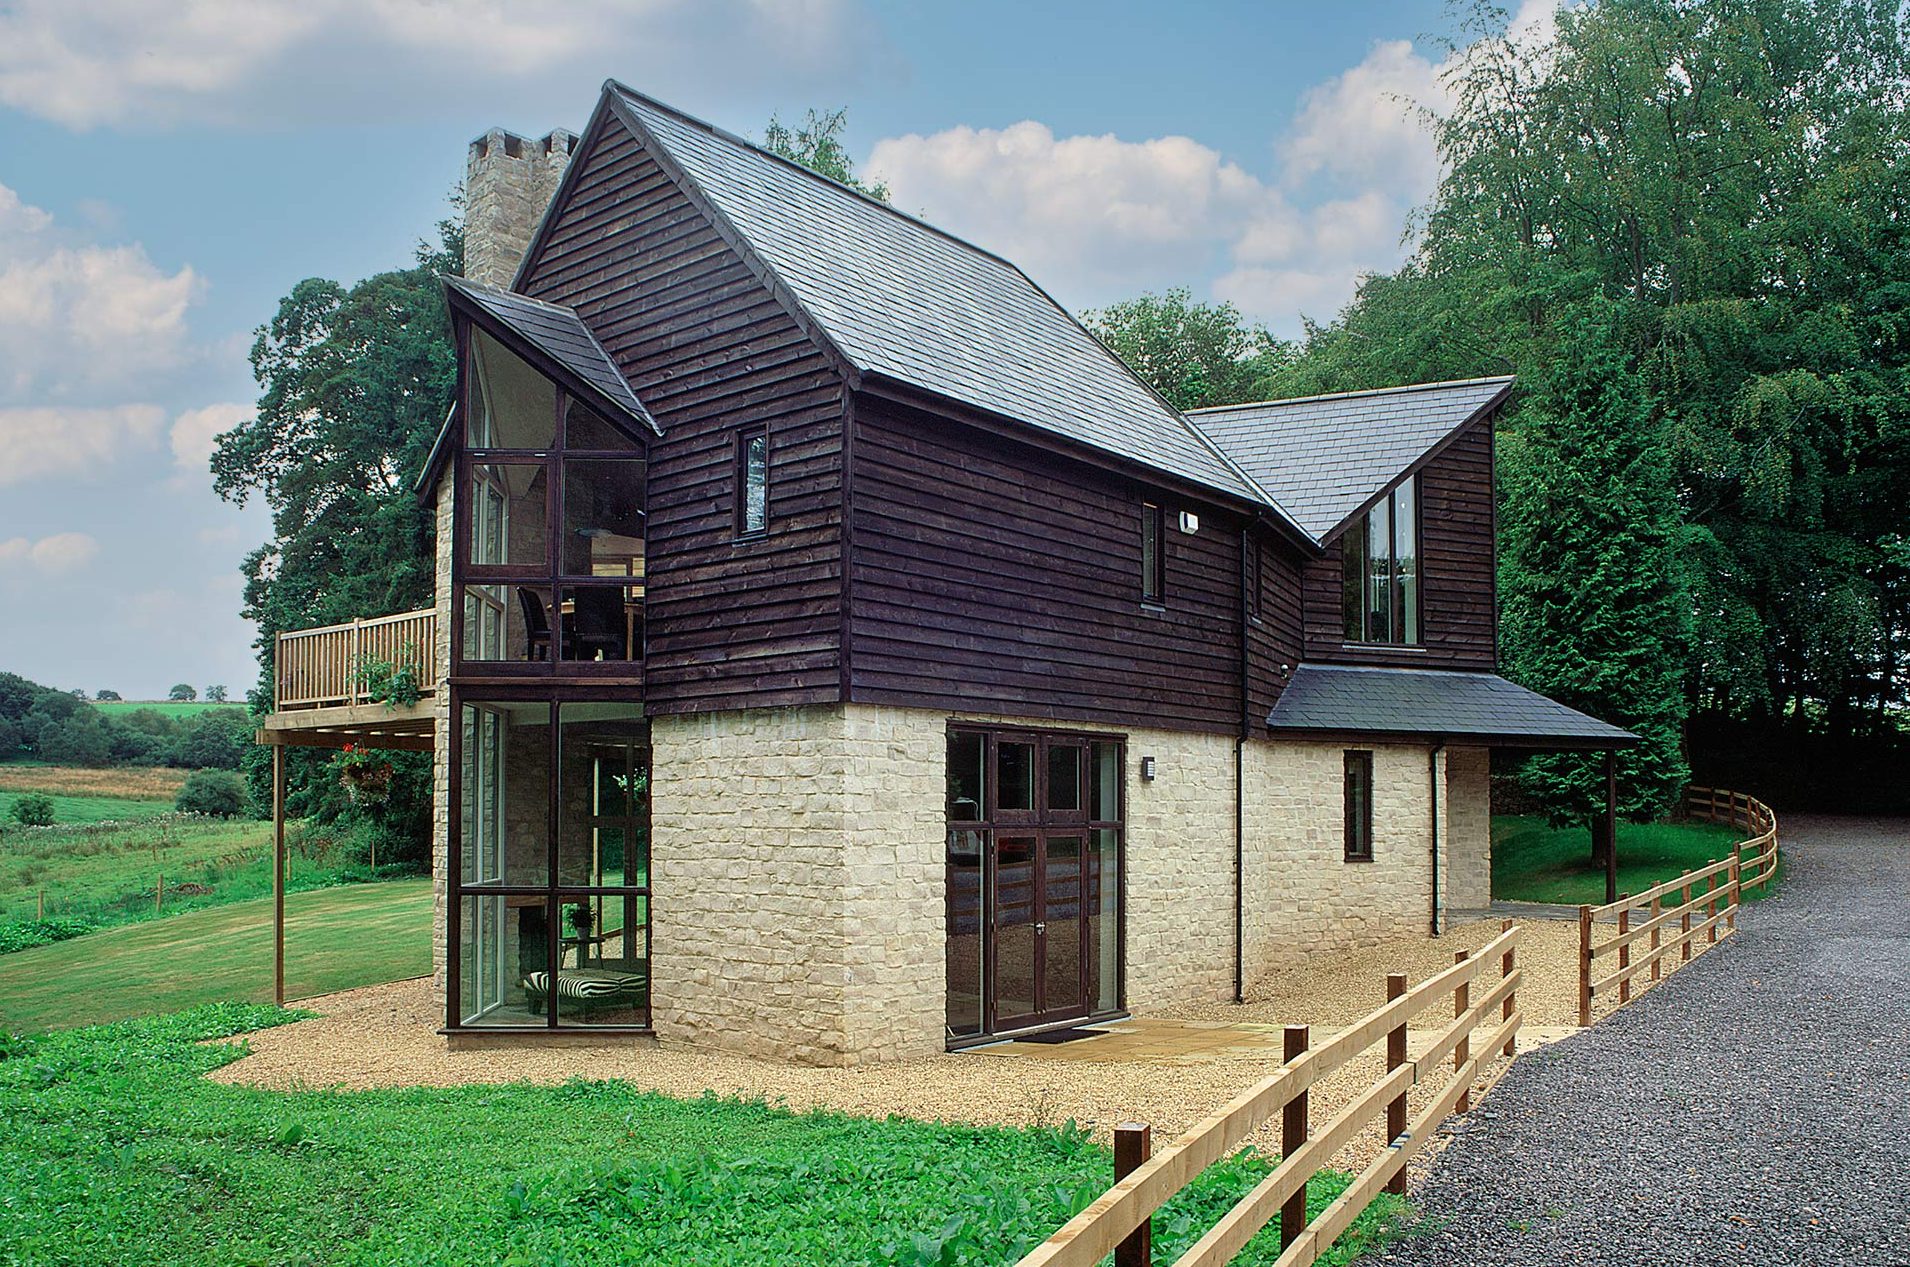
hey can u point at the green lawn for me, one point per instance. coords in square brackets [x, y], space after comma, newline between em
[113, 1149]
[164, 707]
[89, 809]
[335, 939]
[1535, 862]
[107, 874]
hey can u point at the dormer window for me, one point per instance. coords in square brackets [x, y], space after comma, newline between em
[1380, 570]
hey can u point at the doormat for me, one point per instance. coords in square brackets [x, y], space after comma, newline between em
[1061, 1035]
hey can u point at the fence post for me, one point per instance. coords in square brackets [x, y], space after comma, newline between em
[1657, 908]
[1731, 903]
[159, 896]
[1624, 951]
[1684, 921]
[40, 906]
[1584, 966]
[1461, 1001]
[1293, 1133]
[1395, 1057]
[1133, 1143]
[1711, 908]
[1508, 963]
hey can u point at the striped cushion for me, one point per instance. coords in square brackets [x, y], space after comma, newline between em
[585, 984]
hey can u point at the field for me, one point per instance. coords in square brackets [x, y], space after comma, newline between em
[164, 707]
[1535, 862]
[335, 939]
[91, 796]
[91, 872]
[130, 1155]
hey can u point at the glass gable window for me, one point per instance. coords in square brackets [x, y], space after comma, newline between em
[550, 565]
[1153, 554]
[1380, 570]
[752, 483]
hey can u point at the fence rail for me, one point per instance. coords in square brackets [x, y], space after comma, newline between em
[1117, 1221]
[1705, 909]
[324, 667]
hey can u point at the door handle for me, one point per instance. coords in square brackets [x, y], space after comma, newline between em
[1041, 928]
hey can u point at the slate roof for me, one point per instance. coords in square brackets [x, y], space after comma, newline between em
[559, 333]
[1324, 457]
[902, 299]
[1433, 702]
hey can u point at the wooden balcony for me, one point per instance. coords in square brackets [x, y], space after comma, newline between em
[333, 685]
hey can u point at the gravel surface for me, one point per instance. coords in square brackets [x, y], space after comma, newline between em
[1753, 1108]
[384, 1036]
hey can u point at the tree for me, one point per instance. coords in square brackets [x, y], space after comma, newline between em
[1193, 354]
[1727, 179]
[217, 793]
[355, 383]
[215, 739]
[33, 809]
[183, 693]
[1595, 608]
[816, 143]
[216, 693]
[106, 695]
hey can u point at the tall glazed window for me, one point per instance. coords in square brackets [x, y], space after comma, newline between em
[1380, 570]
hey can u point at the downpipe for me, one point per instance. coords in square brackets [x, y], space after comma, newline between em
[1432, 783]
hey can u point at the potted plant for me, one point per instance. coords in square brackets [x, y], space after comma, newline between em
[366, 775]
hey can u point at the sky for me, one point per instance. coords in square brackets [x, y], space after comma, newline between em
[168, 171]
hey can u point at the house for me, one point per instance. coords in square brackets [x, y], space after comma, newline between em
[839, 655]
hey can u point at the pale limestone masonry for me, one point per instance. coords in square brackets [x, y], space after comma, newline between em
[797, 859]
[1468, 802]
[508, 184]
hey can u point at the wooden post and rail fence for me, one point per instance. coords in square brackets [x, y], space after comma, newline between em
[323, 667]
[1654, 937]
[1118, 1222]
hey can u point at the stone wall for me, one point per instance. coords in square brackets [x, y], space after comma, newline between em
[441, 751]
[1468, 829]
[508, 184]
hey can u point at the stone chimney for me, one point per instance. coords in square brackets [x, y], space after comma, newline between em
[508, 182]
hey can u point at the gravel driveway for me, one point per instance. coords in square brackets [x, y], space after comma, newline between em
[1754, 1108]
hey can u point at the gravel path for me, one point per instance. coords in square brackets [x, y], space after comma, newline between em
[1754, 1108]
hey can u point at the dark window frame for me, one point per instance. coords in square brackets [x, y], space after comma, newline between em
[1154, 568]
[1356, 794]
[1250, 576]
[746, 439]
[1356, 554]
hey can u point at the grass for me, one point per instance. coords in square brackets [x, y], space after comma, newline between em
[125, 783]
[164, 707]
[107, 872]
[113, 1148]
[335, 939]
[88, 809]
[1533, 861]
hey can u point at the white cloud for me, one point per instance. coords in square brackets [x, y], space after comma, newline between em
[49, 441]
[78, 319]
[91, 63]
[194, 431]
[59, 553]
[1096, 218]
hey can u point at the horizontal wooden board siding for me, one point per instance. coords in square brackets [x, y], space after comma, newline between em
[1458, 608]
[1274, 641]
[989, 577]
[731, 624]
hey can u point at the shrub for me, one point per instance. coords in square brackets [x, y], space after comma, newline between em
[27, 933]
[35, 809]
[218, 793]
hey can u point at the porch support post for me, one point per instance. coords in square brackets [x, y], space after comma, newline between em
[1611, 825]
[278, 874]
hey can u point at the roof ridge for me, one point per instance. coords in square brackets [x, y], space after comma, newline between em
[1366, 391]
[744, 142]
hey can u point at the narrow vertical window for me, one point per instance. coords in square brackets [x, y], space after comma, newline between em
[1152, 553]
[1359, 806]
[1380, 570]
[752, 483]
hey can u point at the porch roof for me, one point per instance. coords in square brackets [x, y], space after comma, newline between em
[1434, 703]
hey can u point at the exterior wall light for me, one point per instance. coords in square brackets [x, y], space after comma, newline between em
[1147, 769]
[1189, 522]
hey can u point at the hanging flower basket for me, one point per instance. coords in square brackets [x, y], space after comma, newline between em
[365, 775]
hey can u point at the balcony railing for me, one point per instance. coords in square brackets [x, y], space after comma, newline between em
[340, 665]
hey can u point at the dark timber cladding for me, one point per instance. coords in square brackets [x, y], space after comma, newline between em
[990, 576]
[1456, 566]
[710, 350]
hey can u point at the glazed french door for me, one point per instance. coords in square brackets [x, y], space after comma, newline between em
[1034, 879]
